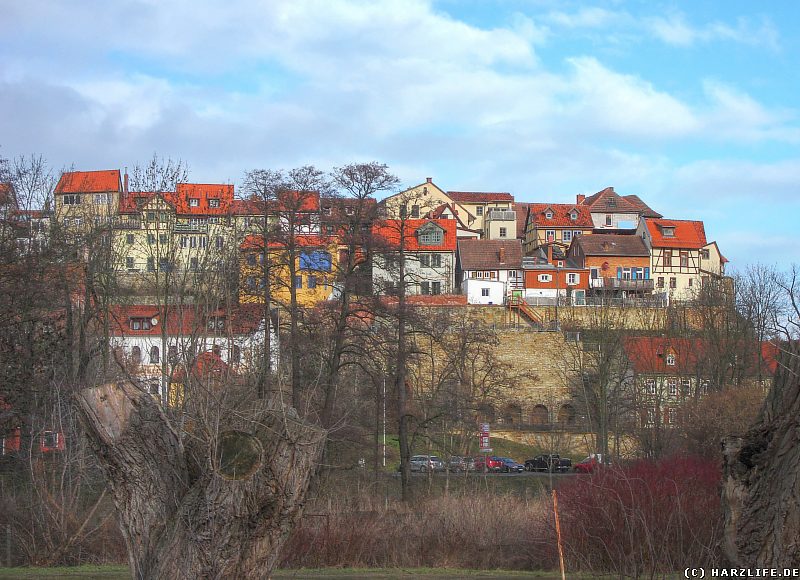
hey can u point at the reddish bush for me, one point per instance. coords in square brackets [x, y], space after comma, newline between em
[644, 519]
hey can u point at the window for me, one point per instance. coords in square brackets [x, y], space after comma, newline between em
[317, 260]
[139, 324]
[298, 282]
[548, 215]
[479, 274]
[193, 264]
[572, 278]
[251, 259]
[576, 233]
[650, 386]
[704, 386]
[184, 242]
[150, 216]
[151, 264]
[213, 202]
[479, 210]
[567, 235]
[704, 253]
[503, 232]
[668, 258]
[236, 354]
[684, 259]
[690, 282]
[550, 235]
[670, 360]
[436, 260]
[312, 282]
[673, 283]
[414, 211]
[72, 199]
[203, 242]
[194, 202]
[326, 210]
[425, 260]
[660, 282]
[49, 440]
[163, 239]
[192, 241]
[220, 243]
[216, 323]
[164, 265]
[545, 277]
[424, 287]
[250, 282]
[172, 354]
[129, 238]
[651, 416]
[129, 263]
[155, 357]
[609, 220]
[673, 387]
[686, 387]
[151, 238]
[102, 198]
[430, 236]
[136, 355]
[668, 232]
[672, 415]
[348, 210]
[436, 287]
[484, 292]
[573, 216]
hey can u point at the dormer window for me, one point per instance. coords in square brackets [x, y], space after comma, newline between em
[216, 323]
[668, 231]
[670, 360]
[139, 323]
[348, 209]
[573, 216]
[430, 235]
[213, 202]
[194, 202]
[548, 214]
[327, 210]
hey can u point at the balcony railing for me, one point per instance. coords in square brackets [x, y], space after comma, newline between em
[621, 284]
[502, 216]
[184, 227]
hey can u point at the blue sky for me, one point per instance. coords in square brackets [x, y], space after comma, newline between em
[691, 105]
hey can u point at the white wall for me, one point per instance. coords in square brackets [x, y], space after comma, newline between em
[473, 288]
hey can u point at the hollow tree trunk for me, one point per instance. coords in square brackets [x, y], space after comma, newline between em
[761, 482]
[181, 516]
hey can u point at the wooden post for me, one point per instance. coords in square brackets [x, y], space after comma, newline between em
[558, 536]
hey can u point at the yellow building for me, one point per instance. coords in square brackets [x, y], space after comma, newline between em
[86, 199]
[315, 266]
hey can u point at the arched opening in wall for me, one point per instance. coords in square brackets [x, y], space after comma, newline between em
[512, 415]
[155, 357]
[486, 414]
[566, 415]
[540, 415]
[236, 354]
[136, 355]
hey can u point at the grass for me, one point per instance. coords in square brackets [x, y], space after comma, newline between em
[103, 572]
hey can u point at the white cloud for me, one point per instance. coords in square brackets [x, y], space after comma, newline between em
[675, 30]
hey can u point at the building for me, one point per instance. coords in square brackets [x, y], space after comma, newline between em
[558, 223]
[611, 211]
[493, 212]
[312, 278]
[488, 271]
[427, 249]
[680, 256]
[619, 265]
[549, 277]
[152, 341]
[87, 199]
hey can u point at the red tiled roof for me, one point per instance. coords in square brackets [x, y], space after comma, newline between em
[388, 233]
[203, 193]
[207, 365]
[242, 320]
[648, 355]
[128, 201]
[89, 181]
[299, 201]
[479, 196]
[560, 217]
[688, 234]
[256, 242]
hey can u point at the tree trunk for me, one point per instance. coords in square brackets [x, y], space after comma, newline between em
[182, 511]
[761, 481]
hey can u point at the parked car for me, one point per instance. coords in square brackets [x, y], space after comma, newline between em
[589, 464]
[552, 462]
[426, 463]
[458, 464]
[489, 464]
[511, 466]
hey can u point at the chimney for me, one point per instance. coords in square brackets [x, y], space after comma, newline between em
[125, 183]
[581, 198]
[502, 254]
[429, 179]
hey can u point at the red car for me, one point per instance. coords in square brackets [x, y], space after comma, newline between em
[589, 464]
[491, 463]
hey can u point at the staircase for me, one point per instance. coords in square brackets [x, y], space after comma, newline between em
[525, 311]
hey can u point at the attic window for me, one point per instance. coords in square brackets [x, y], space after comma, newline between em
[139, 323]
[612, 202]
[548, 215]
[573, 216]
[670, 360]
[194, 202]
[431, 236]
[327, 210]
[348, 210]
[668, 231]
[213, 202]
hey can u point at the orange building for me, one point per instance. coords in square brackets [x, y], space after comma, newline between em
[616, 263]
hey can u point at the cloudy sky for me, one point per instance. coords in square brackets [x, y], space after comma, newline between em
[691, 105]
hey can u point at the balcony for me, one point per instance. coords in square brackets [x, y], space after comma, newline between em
[621, 284]
[502, 216]
[121, 224]
[185, 227]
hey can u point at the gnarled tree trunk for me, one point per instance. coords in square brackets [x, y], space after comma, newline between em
[195, 505]
[761, 485]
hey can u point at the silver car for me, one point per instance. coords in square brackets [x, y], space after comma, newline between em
[426, 463]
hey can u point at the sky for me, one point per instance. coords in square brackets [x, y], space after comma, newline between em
[693, 106]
